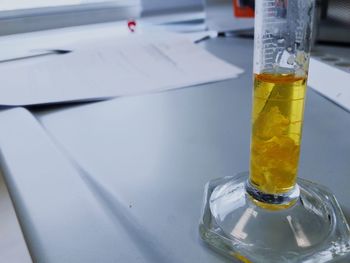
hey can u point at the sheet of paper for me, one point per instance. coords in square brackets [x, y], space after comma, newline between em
[108, 67]
[331, 82]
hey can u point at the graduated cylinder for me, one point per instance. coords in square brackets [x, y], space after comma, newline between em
[281, 61]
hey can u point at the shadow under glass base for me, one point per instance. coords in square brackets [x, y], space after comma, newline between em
[312, 229]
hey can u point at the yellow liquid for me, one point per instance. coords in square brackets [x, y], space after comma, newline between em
[277, 119]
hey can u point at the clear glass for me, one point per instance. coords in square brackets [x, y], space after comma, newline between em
[268, 214]
[281, 61]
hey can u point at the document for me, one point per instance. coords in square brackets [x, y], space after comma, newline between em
[331, 82]
[109, 67]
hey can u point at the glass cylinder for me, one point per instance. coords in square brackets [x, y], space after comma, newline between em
[264, 216]
[281, 60]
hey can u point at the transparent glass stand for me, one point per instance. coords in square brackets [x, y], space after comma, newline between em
[312, 229]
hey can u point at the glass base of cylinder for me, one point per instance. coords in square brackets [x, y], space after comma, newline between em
[311, 228]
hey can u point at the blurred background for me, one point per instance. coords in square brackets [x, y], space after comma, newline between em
[332, 16]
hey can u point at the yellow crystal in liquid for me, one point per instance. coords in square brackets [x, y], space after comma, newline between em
[277, 118]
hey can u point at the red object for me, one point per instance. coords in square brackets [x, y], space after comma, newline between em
[242, 11]
[132, 25]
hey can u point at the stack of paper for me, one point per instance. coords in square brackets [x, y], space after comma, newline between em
[331, 82]
[115, 66]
